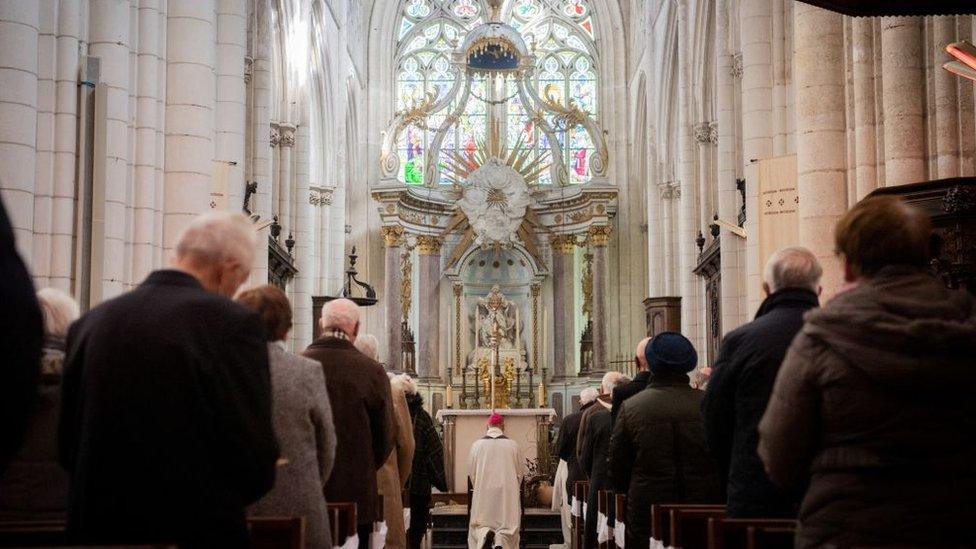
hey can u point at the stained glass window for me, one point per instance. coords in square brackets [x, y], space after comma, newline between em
[561, 35]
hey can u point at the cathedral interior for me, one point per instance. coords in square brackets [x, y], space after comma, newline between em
[516, 188]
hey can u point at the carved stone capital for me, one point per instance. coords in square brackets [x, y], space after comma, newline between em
[320, 196]
[706, 133]
[536, 290]
[563, 243]
[287, 134]
[392, 235]
[458, 289]
[248, 69]
[429, 245]
[599, 235]
[736, 69]
[275, 137]
[669, 190]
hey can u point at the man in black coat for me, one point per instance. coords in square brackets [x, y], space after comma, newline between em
[21, 336]
[634, 386]
[593, 461]
[742, 380]
[166, 404]
[566, 441]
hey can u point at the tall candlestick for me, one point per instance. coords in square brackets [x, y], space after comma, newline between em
[518, 339]
[449, 396]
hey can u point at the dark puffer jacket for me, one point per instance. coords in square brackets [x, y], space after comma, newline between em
[658, 452]
[736, 398]
[428, 454]
[874, 407]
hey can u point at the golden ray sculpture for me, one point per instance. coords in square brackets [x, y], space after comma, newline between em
[459, 166]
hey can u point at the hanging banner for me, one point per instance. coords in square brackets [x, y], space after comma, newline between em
[778, 205]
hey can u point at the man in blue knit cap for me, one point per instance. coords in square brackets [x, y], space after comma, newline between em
[658, 452]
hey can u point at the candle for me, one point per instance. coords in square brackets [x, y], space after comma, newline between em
[449, 396]
[541, 395]
[518, 339]
[477, 326]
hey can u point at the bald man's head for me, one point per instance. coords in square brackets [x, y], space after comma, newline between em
[639, 355]
[341, 315]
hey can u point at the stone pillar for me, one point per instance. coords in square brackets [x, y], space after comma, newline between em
[286, 142]
[903, 80]
[260, 120]
[946, 101]
[821, 148]
[229, 120]
[190, 100]
[563, 329]
[393, 240]
[18, 111]
[865, 129]
[599, 236]
[429, 325]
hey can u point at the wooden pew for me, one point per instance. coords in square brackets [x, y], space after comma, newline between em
[620, 515]
[276, 532]
[33, 533]
[673, 523]
[726, 533]
[604, 501]
[580, 490]
[342, 521]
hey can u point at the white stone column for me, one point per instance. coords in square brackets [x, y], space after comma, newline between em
[728, 195]
[44, 160]
[780, 123]
[110, 41]
[393, 241]
[190, 102]
[159, 258]
[285, 145]
[18, 115]
[144, 200]
[429, 330]
[903, 80]
[946, 101]
[821, 148]
[304, 218]
[865, 128]
[65, 146]
[231, 100]
[260, 120]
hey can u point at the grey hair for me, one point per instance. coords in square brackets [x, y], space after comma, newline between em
[340, 314]
[406, 382]
[611, 380]
[59, 310]
[588, 395]
[218, 236]
[792, 267]
[368, 345]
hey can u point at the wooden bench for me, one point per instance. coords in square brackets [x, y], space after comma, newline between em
[620, 514]
[276, 532]
[342, 521]
[581, 489]
[683, 524]
[33, 533]
[727, 533]
[605, 500]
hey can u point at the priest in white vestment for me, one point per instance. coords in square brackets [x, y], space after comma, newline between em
[496, 468]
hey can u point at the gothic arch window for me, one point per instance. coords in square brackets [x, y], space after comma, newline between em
[560, 35]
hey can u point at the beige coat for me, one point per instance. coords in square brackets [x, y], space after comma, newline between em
[392, 477]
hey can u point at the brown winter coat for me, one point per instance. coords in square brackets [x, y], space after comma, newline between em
[392, 477]
[359, 392]
[873, 407]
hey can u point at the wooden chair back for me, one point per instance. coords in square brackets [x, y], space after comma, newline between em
[33, 533]
[620, 514]
[726, 533]
[663, 519]
[580, 490]
[276, 532]
[342, 521]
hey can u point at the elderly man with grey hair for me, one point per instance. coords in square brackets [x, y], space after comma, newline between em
[165, 422]
[362, 405]
[742, 380]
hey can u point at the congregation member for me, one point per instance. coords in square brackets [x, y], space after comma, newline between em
[593, 460]
[742, 379]
[657, 450]
[392, 477]
[427, 471]
[302, 417]
[634, 386]
[872, 409]
[362, 405]
[568, 464]
[609, 381]
[34, 486]
[495, 470]
[165, 424]
[21, 338]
